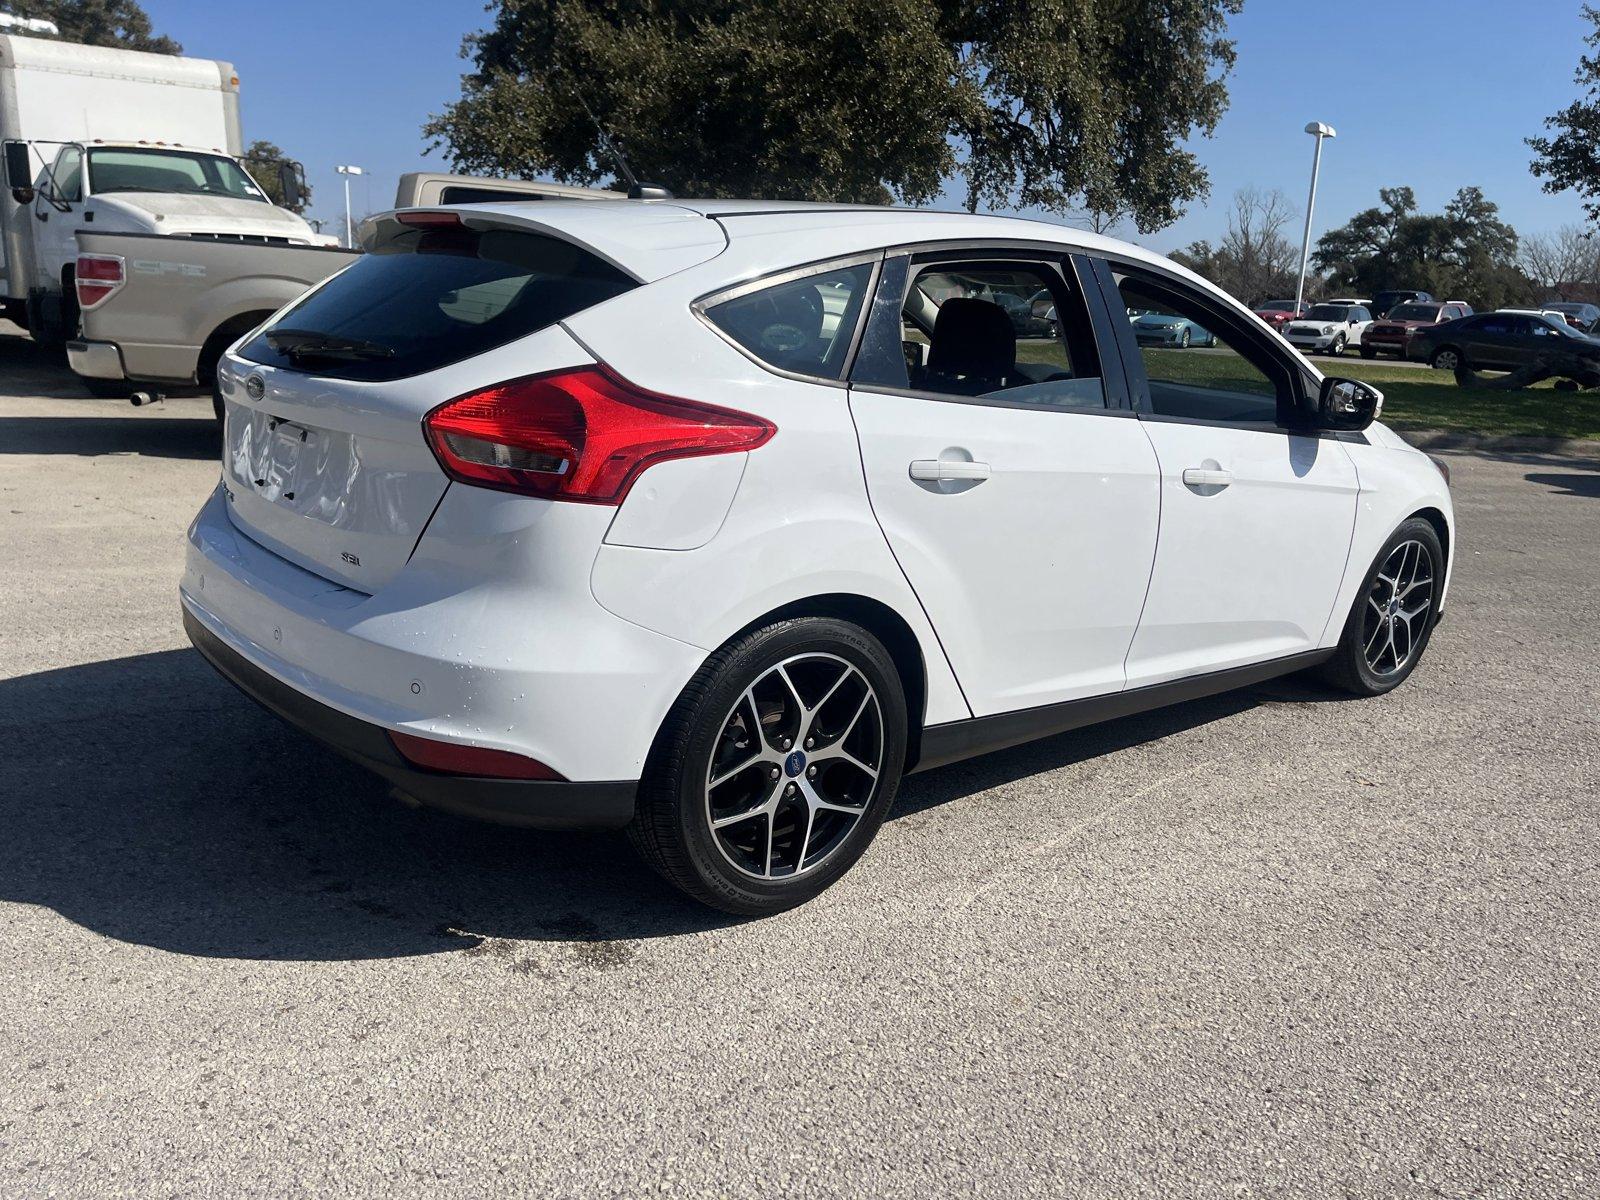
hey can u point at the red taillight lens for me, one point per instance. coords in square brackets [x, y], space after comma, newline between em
[581, 434]
[97, 276]
[452, 758]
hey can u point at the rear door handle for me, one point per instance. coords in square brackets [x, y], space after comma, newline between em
[1206, 477]
[935, 470]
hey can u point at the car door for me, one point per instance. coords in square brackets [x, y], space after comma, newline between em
[1256, 520]
[1012, 481]
[57, 213]
[1360, 321]
[1489, 341]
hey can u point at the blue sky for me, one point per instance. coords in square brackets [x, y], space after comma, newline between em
[1434, 95]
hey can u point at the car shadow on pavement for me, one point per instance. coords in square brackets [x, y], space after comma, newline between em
[1568, 484]
[149, 436]
[145, 799]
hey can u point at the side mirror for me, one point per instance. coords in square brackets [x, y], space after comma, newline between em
[1347, 404]
[19, 173]
[292, 184]
[1043, 308]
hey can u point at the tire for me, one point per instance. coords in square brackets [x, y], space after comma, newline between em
[1411, 551]
[1183, 342]
[1447, 358]
[765, 791]
[216, 402]
[1337, 349]
[1369, 352]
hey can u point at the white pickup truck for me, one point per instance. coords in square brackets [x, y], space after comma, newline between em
[157, 312]
[105, 140]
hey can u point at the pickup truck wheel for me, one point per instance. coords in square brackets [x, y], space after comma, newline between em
[1369, 352]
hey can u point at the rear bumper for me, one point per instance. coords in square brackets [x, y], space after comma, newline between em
[95, 360]
[534, 804]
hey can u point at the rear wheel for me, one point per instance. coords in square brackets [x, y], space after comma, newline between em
[774, 770]
[1389, 627]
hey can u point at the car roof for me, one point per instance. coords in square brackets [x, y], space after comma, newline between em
[650, 239]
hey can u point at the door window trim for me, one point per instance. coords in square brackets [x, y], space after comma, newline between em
[702, 306]
[1292, 374]
[1063, 261]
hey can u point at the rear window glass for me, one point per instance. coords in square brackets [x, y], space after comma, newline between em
[433, 297]
[804, 326]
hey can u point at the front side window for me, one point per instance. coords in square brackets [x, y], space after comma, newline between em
[1011, 333]
[801, 325]
[1329, 312]
[122, 169]
[68, 172]
[1197, 366]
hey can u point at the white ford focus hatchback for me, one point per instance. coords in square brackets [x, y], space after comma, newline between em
[712, 520]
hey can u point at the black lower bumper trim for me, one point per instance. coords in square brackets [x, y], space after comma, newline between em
[535, 804]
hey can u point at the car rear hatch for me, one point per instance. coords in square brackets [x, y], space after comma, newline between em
[324, 457]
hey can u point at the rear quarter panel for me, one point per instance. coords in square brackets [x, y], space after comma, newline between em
[799, 524]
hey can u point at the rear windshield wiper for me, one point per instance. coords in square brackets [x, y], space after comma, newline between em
[313, 344]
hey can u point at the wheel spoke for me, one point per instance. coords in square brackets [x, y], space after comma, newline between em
[833, 800]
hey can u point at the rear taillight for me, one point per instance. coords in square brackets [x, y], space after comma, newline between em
[453, 758]
[582, 434]
[97, 277]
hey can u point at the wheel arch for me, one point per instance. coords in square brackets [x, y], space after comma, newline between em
[220, 338]
[885, 624]
[1441, 526]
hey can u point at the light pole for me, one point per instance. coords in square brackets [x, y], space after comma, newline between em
[1319, 131]
[349, 233]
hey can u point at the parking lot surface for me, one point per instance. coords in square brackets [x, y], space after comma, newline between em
[1272, 943]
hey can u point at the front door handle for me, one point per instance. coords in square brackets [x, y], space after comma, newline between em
[937, 470]
[1206, 477]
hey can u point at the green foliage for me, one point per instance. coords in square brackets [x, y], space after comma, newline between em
[99, 23]
[1464, 253]
[263, 157]
[1571, 159]
[1062, 104]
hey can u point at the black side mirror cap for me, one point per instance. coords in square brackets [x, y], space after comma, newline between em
[1347, 404]
[19, 173]
[292, 184]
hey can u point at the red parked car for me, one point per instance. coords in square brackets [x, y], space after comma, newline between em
[1279, 313]
[1390, 335]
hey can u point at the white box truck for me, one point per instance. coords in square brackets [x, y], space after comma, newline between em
[104, 140]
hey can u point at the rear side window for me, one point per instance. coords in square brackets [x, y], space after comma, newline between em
[804, 325]
[432, 297]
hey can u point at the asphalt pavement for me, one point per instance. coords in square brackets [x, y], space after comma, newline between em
[1268, 944]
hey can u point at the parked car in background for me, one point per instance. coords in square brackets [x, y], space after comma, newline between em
[1329, 328]
[753, 620]
[1585, 317]
[1498, 341]
[1389, 335]
[1278, 313]
[1384, 302]
[1555, 315]
[1024, 321]
[1167, 329]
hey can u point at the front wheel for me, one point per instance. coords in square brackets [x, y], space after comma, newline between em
[1446, 358]
[1183, 341]
[1338, 346]
[775, 768]
[1389, 627]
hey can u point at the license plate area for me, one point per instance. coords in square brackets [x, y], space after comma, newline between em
[270, 457]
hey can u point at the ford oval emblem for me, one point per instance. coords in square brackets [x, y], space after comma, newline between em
[255, 387]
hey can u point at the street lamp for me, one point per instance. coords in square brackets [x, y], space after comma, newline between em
[1319, 131]
[349, 233]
